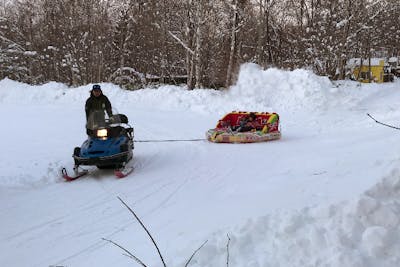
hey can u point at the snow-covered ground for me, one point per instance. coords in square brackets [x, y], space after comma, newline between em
[326, 194]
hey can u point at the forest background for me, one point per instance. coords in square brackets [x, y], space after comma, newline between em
[134, 43]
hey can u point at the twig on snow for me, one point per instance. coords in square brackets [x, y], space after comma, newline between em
[194, 253]
[388, 125]
[144, 227]
[128, 253]
[227, 250]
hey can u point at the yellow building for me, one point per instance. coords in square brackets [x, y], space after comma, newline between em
[369, 70]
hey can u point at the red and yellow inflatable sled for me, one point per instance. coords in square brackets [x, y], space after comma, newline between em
[266, 128]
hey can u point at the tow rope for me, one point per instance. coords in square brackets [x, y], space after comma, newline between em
[168, 140]
[384, 124]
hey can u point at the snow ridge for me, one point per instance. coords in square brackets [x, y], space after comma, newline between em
[360, 233]
[269, 90]
[282, 90]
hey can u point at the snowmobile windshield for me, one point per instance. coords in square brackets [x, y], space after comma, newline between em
[100, 119]
[97, 120]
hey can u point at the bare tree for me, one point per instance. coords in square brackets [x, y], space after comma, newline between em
[138, 41]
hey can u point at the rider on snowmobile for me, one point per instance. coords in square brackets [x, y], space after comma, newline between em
[97, 102]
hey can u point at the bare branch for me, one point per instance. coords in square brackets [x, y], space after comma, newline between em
[181, 42]
[12, 42]
[144, 227]
[129, 254]
[194, 253]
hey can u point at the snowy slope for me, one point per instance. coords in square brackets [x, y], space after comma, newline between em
[326, 194]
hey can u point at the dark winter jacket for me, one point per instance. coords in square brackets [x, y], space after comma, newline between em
[97, 103]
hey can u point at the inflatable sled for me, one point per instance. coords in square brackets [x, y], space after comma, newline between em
[266, 128]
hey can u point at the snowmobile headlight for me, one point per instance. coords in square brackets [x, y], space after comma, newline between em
[102, 133]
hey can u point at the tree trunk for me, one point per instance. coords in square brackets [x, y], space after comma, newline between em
[189, 33]
[199, 41]
[232, 51]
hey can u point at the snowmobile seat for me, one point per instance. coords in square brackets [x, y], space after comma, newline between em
[118, 130]
[119, 118]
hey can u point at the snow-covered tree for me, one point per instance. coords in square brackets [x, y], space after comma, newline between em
[134, 42]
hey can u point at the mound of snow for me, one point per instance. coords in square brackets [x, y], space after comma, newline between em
[359, 233]
[12, 92]
[279, 89]
[256, 89]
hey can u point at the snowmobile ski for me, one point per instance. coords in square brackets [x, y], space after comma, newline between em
[123, 172]
[77, 174]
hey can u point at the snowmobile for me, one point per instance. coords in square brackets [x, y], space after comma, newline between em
[109, 146]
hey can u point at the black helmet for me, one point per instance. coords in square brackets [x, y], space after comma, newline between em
[96, 87]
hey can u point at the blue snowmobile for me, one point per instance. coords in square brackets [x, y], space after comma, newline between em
[109, 146]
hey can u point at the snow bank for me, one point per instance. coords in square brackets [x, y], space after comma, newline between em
[359, 233]
[256, 89]
[281, 90]
[12, 92]
[164, 98]
[302, 90]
